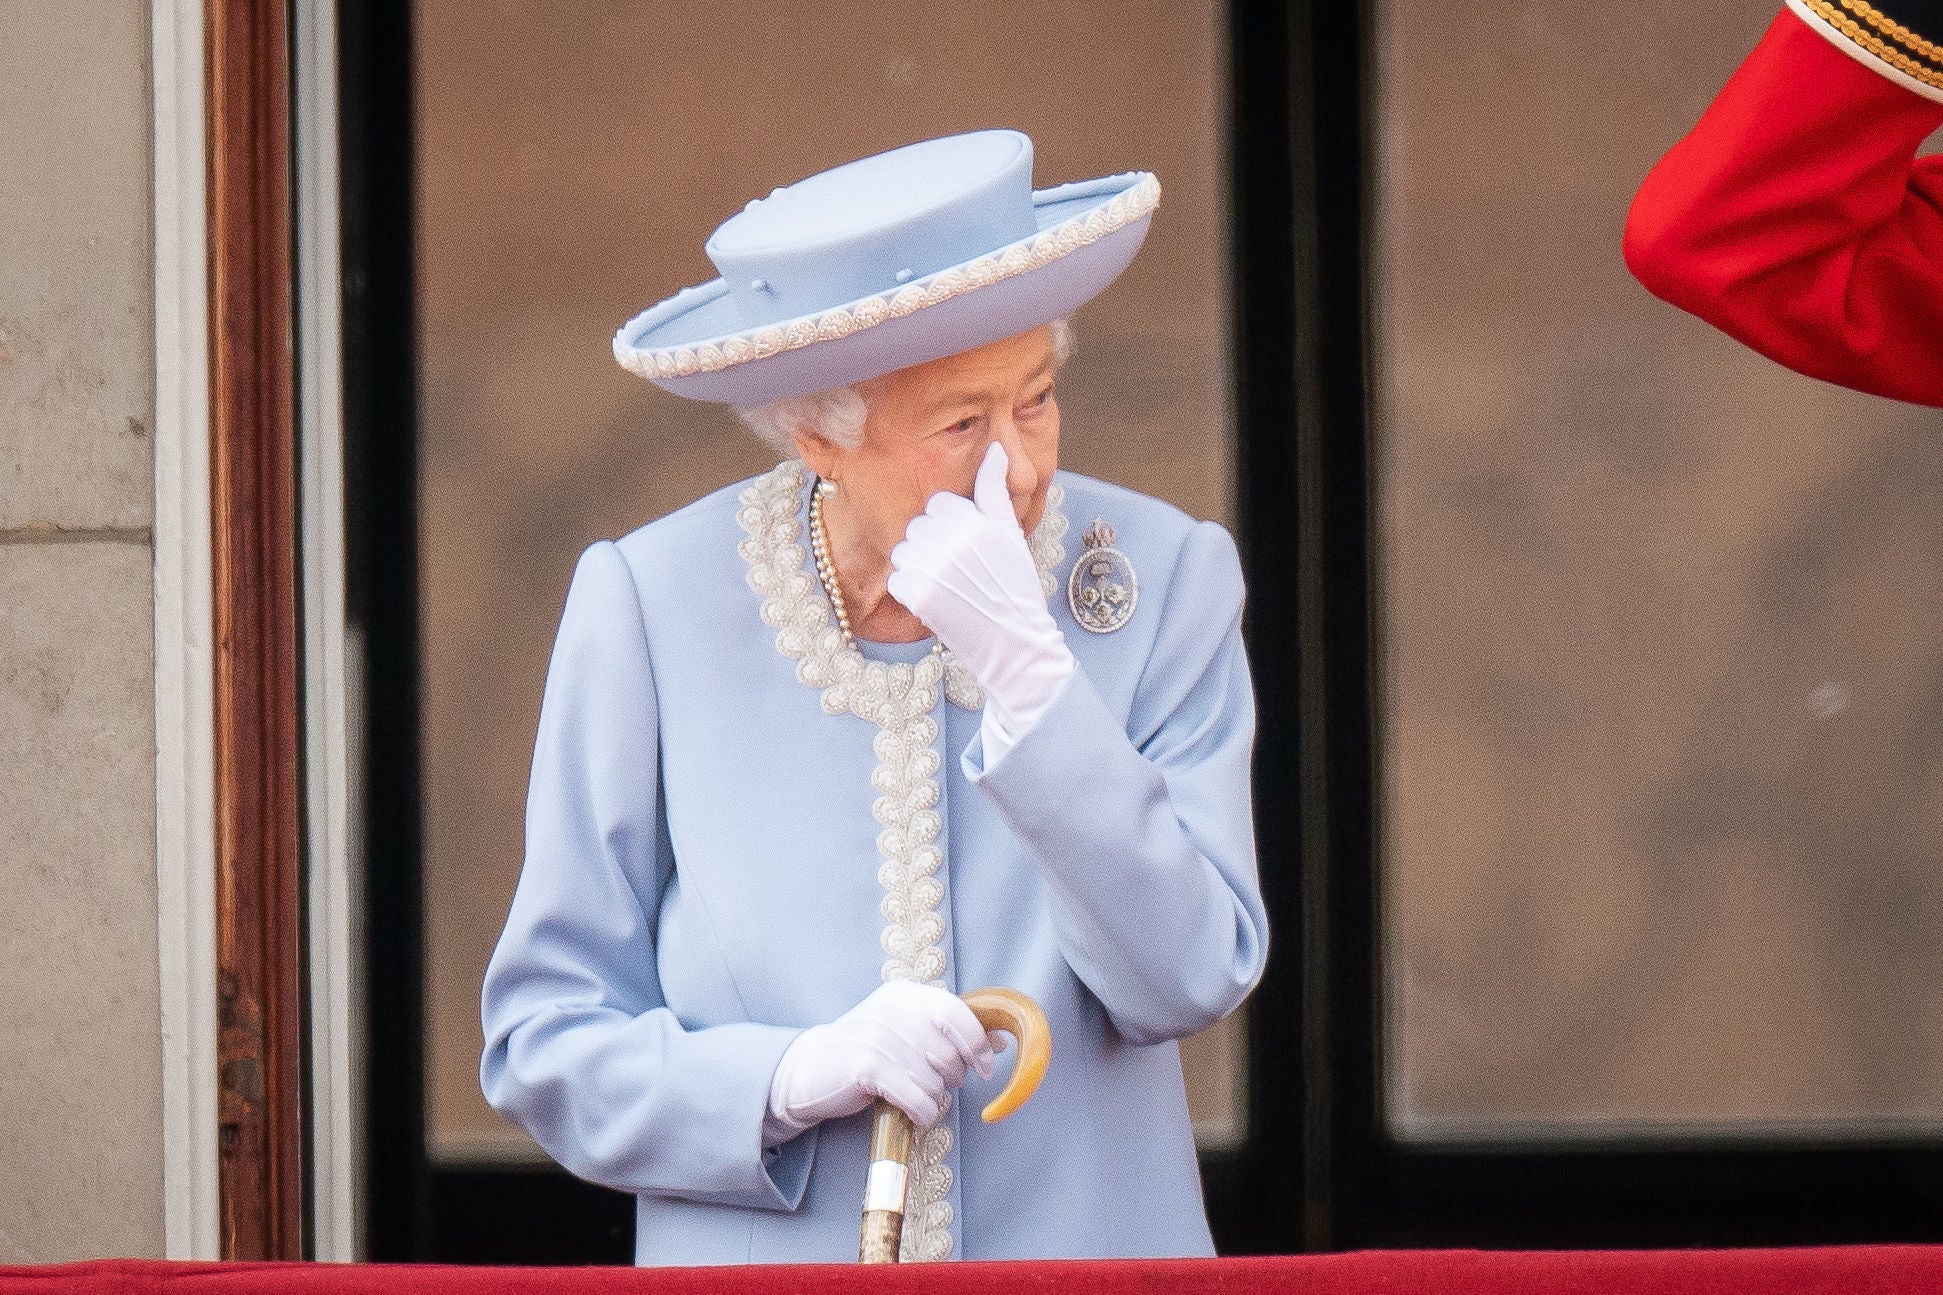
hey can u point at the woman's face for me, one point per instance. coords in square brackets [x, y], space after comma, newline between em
[927, 430]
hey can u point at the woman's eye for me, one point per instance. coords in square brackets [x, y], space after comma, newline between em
[1041, 400]
[964, 425]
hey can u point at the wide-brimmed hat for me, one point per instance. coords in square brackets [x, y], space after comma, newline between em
[879, 264]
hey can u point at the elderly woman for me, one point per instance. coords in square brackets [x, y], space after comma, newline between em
[817, 752]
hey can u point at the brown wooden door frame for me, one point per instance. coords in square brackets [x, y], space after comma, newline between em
[252, 429]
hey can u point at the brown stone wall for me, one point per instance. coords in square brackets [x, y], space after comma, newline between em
[80, 1041]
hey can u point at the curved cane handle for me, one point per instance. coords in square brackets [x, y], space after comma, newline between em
[1019, 1016]
[890, 1128]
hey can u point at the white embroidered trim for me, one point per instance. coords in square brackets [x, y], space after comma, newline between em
[1022, 257]
[898, 698]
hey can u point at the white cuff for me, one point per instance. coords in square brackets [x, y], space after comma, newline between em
[999, 733]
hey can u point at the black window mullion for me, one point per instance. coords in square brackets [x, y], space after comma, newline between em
[1259, 1197]
[381, 559]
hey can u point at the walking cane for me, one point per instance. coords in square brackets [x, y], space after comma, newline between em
[890, 1128]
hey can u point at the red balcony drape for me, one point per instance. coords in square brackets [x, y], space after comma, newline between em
[1849, 1270]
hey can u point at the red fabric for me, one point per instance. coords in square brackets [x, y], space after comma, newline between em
[1797, 218]
[1856, 1270]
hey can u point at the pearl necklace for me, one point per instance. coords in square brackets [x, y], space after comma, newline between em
[826, 568]
[826, 571]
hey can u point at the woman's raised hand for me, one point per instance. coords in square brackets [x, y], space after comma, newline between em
[965, 570]
[907, 1043]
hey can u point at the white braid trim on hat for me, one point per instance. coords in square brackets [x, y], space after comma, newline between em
[899, 699]
[1022, 257]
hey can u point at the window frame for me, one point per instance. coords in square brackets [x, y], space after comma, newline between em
[1361, 1187]
[1318, 1170]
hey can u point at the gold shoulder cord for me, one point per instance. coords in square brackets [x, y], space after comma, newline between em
[1843, 18]
[1883, 23]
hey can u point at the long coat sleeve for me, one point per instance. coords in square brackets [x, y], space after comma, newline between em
[705, 876]
[1177, 787]
[1797, 216]
[583, 1045]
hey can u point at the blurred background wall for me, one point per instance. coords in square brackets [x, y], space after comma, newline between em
[80, 1040]
[1659, 680]
[572, 160]
[1662, 706]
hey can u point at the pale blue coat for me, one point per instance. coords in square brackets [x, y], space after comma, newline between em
[701, 884]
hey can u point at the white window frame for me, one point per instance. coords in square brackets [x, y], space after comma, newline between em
[185, 724]
[331, 659]
[185, 799]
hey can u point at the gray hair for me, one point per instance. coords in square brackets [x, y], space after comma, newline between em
[838, 413]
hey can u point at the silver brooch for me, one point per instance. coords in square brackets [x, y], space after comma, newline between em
[1103, 588]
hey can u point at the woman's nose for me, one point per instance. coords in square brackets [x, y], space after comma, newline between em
[1021, 474]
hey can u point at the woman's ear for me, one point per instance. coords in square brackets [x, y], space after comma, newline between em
[819, 452]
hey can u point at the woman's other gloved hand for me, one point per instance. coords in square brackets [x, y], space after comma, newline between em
[907, 1043]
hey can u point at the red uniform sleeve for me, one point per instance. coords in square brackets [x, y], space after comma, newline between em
[1797, 218]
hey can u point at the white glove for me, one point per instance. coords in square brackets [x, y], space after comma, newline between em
[907, 1043]
[965, 570]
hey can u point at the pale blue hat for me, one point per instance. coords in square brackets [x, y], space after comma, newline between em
[879, 264]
